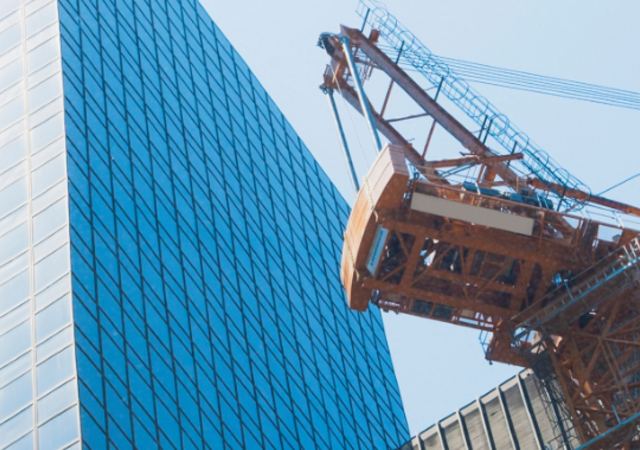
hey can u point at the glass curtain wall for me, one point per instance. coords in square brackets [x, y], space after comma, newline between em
[38, 386]
[201, 239]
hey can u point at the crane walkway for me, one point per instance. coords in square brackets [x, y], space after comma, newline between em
[582, 293]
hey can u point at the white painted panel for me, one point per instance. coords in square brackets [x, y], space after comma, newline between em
[472, 214]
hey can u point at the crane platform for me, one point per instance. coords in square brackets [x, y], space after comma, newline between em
[456, 254]
[536, 279]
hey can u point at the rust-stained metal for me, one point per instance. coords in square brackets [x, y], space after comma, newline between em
[506, 282]
[473, 160]
[558, 292]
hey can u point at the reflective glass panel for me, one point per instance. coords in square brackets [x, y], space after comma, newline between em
[55, 370]
[18, 315]
[14, 242]
[15, 427]
[61, 430]
[15, 368]
[25, 443]
[52, 267]
[53, 317]
[14, 342]
[13, 291]
[56, 401]
[15, 396]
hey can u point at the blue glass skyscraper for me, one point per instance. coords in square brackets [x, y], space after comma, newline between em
[168, 247]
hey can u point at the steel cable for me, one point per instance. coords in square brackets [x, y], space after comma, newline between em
[526, 81]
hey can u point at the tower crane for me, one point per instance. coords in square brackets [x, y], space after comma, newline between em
[498, 239]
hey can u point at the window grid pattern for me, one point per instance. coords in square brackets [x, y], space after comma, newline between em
[38, 385]
[205, 246]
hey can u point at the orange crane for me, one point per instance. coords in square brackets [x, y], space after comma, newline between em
[493, 241]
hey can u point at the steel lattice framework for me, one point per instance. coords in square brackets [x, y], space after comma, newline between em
[499, 251]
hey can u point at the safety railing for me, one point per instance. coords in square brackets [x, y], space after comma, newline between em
[583, 292]
[495, 124]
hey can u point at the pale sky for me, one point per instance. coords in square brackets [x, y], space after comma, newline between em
[441, 367]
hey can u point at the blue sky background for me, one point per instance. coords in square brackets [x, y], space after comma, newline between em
[441, 367]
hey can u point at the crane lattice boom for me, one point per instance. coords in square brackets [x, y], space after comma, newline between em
[491, 240]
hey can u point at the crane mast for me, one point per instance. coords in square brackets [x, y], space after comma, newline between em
[492, 240]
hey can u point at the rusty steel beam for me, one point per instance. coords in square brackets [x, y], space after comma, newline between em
[429, 105]
[464, 136]
[390, 133]
[400, 77]
[585, 196]
[473, 160]
[412, 116]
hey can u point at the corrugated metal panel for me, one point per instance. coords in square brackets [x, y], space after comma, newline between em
[497, 422]
[472, 417]
[453, 434]
[517, 410]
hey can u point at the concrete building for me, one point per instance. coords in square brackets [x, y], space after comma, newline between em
[513, 416]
